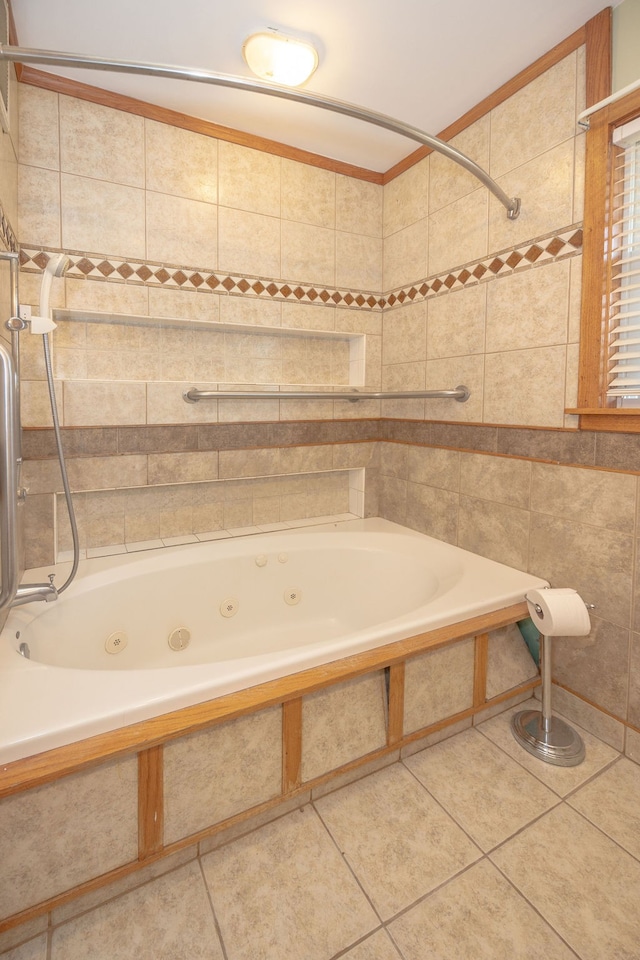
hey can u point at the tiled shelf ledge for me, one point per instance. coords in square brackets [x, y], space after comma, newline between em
[340, 353]
[142, 545]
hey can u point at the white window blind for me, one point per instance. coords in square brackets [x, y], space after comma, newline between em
[624, 268]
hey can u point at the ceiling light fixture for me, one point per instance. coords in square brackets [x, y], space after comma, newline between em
[280, 59]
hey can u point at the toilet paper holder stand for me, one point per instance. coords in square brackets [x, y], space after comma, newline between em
[538, 731]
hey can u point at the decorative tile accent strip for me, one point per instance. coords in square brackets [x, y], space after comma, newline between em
[555, 246]
[184, 278]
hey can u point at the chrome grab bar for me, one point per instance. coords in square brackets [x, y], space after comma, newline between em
[8, 478]
[461, 394]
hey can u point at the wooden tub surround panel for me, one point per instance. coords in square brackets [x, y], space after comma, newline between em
[147, 739]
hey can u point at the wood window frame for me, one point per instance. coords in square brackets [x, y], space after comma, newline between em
[595, 411]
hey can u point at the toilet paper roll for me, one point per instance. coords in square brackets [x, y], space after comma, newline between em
[559, 612]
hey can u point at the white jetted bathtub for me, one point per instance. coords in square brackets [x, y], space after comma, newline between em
[140, 635]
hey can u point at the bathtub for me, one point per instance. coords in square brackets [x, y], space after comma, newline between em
[140, 635]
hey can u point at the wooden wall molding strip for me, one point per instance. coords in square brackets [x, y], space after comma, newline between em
[291, 745]
[480, 670]
[82, 91]
[117, 101]
[508, 89]
[150, 802]
[395, 724]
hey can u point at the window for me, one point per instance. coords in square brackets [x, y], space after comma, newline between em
[609, 384]
[623, 268]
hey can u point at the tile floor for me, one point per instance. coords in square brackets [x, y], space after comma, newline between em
[468, 849]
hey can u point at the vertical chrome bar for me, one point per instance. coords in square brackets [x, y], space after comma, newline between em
[8, 479]
[545, 672]
[14, 267]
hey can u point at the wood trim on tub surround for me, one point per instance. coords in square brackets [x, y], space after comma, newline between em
[83, 91]
[49, 766]
[302, 792]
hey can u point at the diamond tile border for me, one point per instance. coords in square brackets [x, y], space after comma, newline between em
[555, 246]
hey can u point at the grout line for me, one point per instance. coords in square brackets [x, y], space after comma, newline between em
[535, 909]
[213, 910]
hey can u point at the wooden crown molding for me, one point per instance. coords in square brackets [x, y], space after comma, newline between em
[82, 91]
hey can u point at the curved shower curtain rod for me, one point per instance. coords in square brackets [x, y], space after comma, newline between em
[59, 59]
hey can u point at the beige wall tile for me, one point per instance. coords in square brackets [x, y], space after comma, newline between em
[248, 242]
[181, 231]
[88, 132]
[358, 206]
[358, 262]
[594, 561]
[35, 406]
[342, 723]
[38, 140]
[222, 771]
[165, 404]
[308, 316]
[456, 323]
[406, 198]
[359, 321]
[438, 684]
[545, 186]
[305, 459]
[449, 181]
[38, 206]
[404, 334]
[308, 194]
[432, 465]
[183, 467]
[451, 372]
[575, 293]
[597, 666]
[604, 727]
[494, 530]
[251, 311]
[458, 232]
[39, 827]
[248, 179]
[184, 304]
[579, 178]
[248, 463]
[97, 404]
[102, 217]
[509, 662]
[536, 118]
[528, 309]
[308, 253]
[502, 480]
[98, 473]
[394, 460]
[24, 931]
[596, 497]
[514, 391]
[403, 376]
[113, 297]
[432, 511]
[405, 256]
[180, 162]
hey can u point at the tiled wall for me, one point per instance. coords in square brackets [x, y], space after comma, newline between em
[429, 271]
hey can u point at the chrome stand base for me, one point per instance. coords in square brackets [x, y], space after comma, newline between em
[559, 744]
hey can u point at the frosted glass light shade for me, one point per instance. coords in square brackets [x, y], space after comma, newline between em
[280, 59]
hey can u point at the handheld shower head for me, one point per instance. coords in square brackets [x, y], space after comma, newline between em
[56, 266]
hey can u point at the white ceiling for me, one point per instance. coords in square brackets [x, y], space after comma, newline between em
[425, 62]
